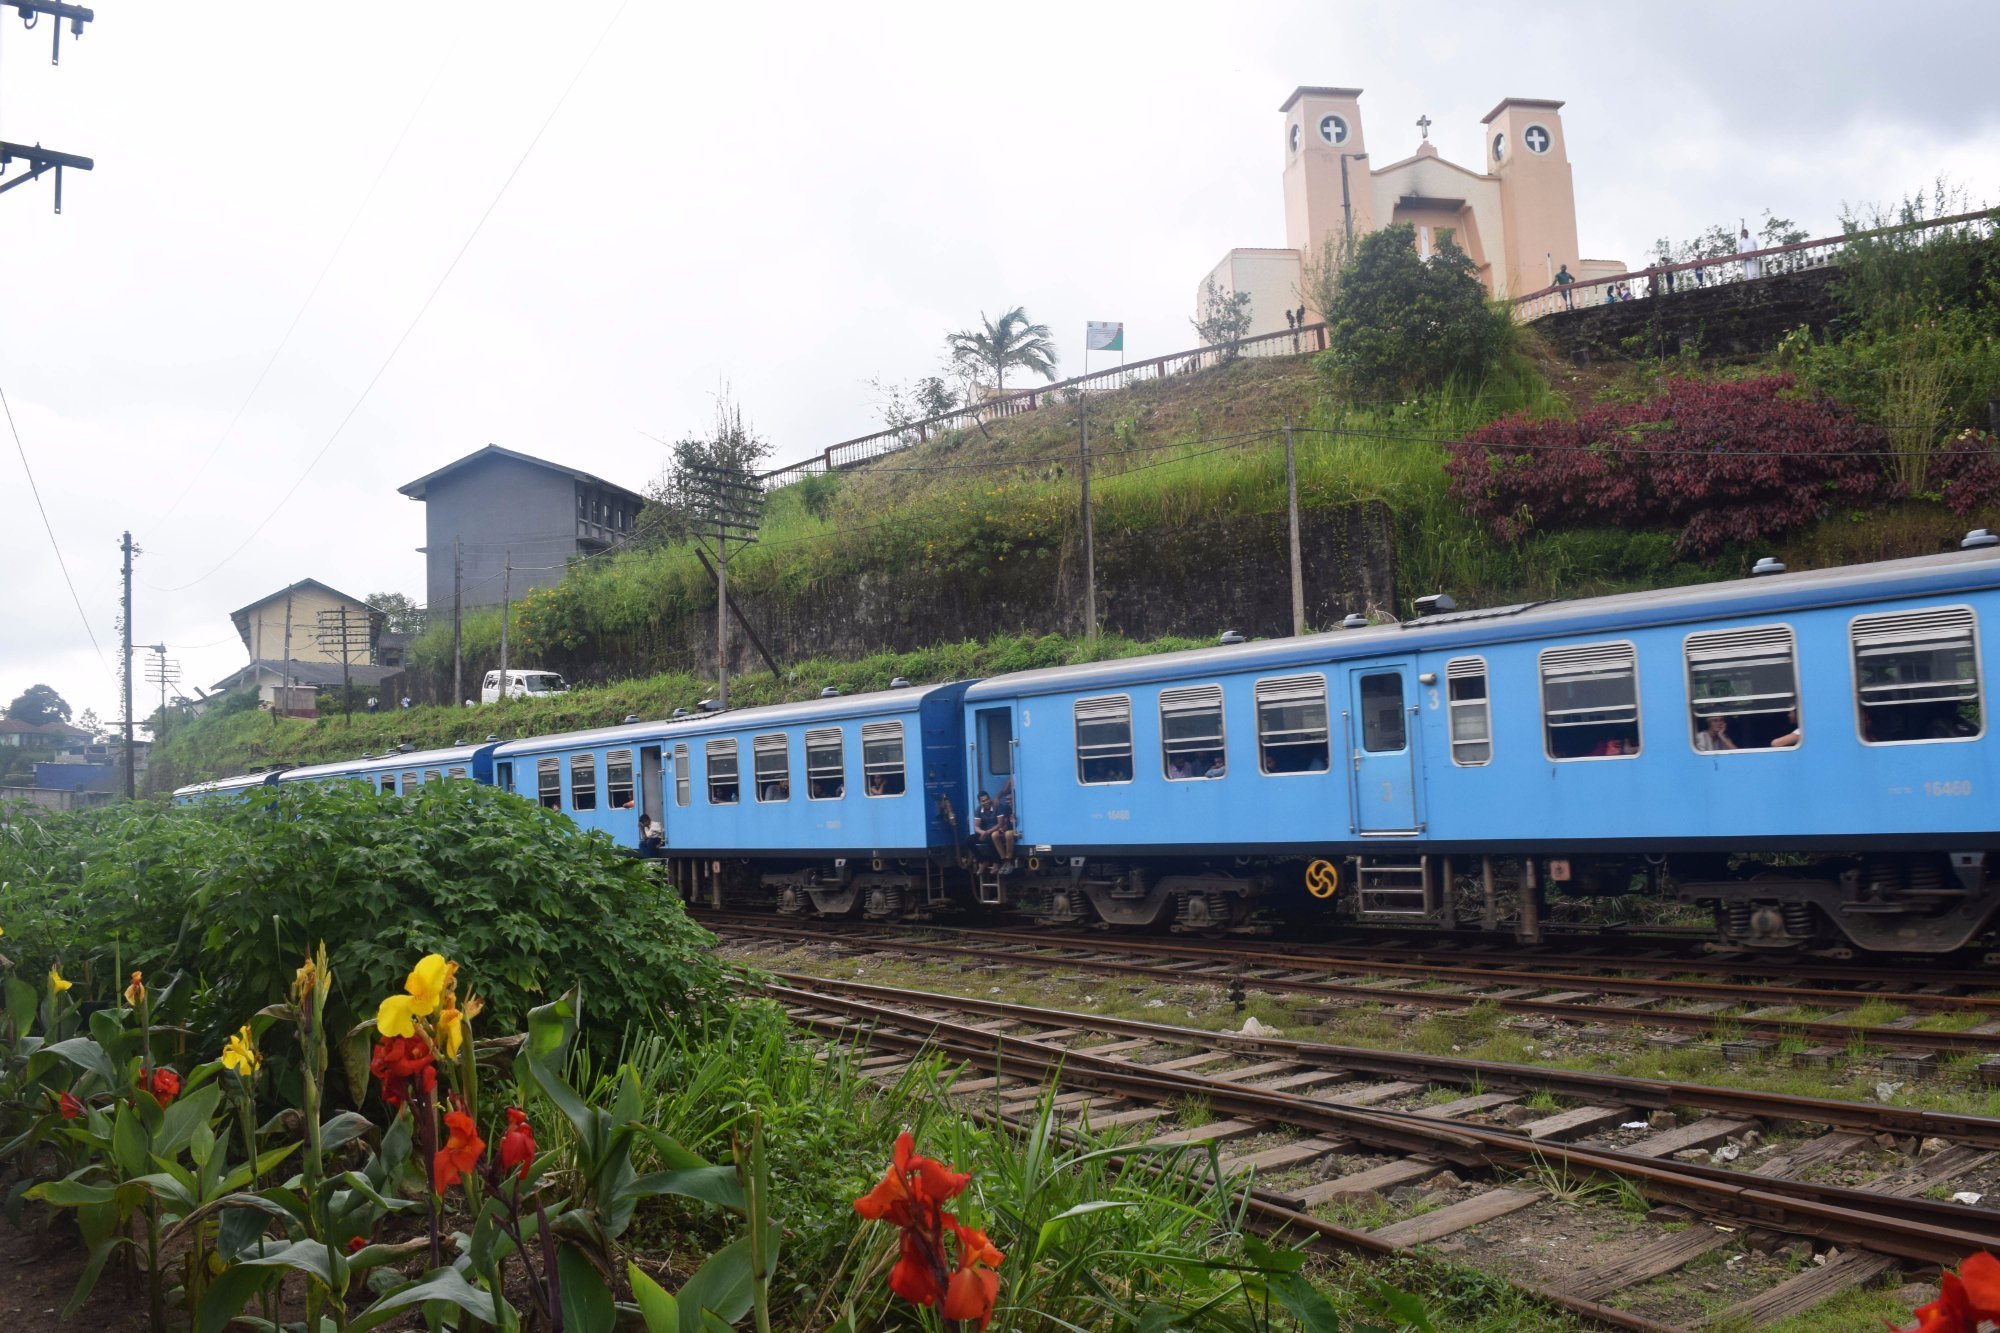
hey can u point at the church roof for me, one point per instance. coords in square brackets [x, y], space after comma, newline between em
[1297, 93]
[1542, 103]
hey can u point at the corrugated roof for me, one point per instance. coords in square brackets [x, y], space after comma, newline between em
[415, 490]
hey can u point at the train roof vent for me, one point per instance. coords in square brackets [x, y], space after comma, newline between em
[1435, 604]
[631, 717]
[1978, 537]
[1232, 636]
[1770, 564]
[1354, 620]
[460, 741]
[492, 736]
[365, 754]
[406, 747]
[710, 705]
[900, 683]
[680, 712]
[830, 692]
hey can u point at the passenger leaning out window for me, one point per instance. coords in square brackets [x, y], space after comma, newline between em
[1714, 735]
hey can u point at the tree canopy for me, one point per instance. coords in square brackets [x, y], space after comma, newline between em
[39, 705]
[404, 615]
[1012, 340]
[1401, 323]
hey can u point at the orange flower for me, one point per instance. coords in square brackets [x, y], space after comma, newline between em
[460, 1153]
[70, 1107]
[912, 1185]
[135, 994]
[517, 1145]
[976, 1284]
[1964, 1299]
[164, 1084]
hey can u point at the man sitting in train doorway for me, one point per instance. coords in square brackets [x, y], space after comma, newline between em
[1004, 834]
[984, 816]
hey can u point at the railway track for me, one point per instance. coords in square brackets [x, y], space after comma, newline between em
[1781, 1011]
[1328, 1104]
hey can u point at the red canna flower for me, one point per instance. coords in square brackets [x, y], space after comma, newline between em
[976, 1285]
[356, 1245]
[70, 1107]
[460, 1153]
[165, 1085]
[1964, 1299]
[517, 1145]
[404, 1065]
[910, 1197]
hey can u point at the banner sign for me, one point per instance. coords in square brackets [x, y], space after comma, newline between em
[1104, 336]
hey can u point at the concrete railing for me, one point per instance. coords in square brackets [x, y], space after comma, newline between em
[1666, 279]
[848, 453]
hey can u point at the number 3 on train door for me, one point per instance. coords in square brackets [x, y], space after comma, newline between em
[1384, 760]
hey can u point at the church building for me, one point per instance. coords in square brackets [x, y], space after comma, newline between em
[1516, 218]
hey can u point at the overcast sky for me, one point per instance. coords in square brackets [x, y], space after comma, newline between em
[793, 200]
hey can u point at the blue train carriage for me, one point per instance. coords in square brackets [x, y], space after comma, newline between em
[403, 770]
[1805, 754]
[224, 789]
[1802, 753]
[842, 804]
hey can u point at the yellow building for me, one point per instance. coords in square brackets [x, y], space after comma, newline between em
[294, 637]
[1516, 218]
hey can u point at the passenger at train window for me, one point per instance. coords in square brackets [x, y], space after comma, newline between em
[882, 758]
[1917, 674]
[877, 785]
[1292, 735]
[775, 791]
[722, 778]
[1715, 735]
[1792, 737]
[1217, 767]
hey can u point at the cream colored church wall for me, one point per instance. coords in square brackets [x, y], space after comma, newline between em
[1270, 276]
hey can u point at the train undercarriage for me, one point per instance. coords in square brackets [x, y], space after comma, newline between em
[1917, 902]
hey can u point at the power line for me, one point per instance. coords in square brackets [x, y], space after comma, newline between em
[285, 339]
[49, 528]
[421, 310]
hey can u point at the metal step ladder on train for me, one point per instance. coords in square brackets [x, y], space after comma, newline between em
[992, 893]
[1395, 888]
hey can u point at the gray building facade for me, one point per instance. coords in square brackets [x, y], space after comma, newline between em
[494, 504]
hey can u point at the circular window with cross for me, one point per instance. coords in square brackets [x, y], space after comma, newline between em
[1333, 129]
[1538, 139]
[1499, 146]
[1295, 138]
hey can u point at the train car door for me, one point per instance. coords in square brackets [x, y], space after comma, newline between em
[993, 766]
[1384, 759]
[652, 801]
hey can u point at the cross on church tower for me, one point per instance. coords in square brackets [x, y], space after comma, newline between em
[1424, 124]
[1537, 139]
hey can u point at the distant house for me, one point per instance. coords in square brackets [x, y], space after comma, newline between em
[39, 735]
[496, 502]
[303, 623]
[288, 686]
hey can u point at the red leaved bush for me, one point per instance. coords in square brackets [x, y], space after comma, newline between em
[1726, 462]
[1966, 469]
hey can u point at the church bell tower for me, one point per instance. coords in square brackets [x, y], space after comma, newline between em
[1323, 133]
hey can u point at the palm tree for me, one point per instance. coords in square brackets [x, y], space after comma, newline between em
[1012, 341]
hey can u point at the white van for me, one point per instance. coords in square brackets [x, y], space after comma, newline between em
[521, 685]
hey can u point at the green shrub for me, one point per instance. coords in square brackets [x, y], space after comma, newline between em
[1401, 322]
[233, 894]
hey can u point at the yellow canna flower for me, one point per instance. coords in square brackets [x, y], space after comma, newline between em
[56, 982]
[426, 986]
[240, 1054]
[451, 1030]
[304, 982]
[135, 994]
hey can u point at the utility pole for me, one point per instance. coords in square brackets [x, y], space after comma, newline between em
[131, 783]
[1089, 529]
[163, 673]
[733, 501]
[1292, 510]
[506, 610]
[341, 631]
[38, 158]
[457, 635]
[285, 682]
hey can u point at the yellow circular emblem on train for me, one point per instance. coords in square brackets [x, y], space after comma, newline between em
[1322, 879]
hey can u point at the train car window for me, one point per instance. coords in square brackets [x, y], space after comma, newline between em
[1191, 733]
[771, 757]
[1468, 712]
[454, 772]
[722, 784]
[1104, 740]
[583, 782]
[548, 783]
[410, 779]
[826, 764]
[618, 779]
[503, 775]
[1291, 725]
[683, 780]
[1382, 727]
[882, 758]
[431, 775]
[388, 784]
[1590, 701]
[999, 748]
[1743, 690]
[1916, 676]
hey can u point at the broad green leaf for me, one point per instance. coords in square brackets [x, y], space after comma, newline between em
[723, 1286]
[72, 1193]
[240, 1177]
[442, 1285]
[711, 1184]
[552, 1025]
[586, 1301]
[168, 1186]
[130, 1144]
[1307, 1303]
[21, 1002]
[178, 1122]
[238, 1229]
[88, 1056]
[92, 1268]
[229, 1293]
[308, 1256]
[343, 1129]
[656, 1307]
[558, 1090]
